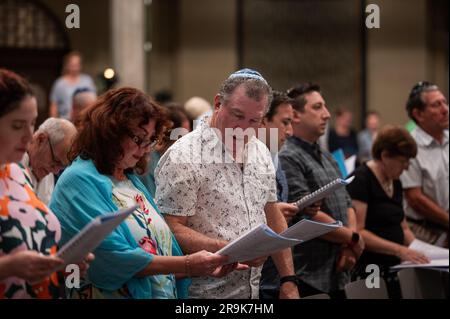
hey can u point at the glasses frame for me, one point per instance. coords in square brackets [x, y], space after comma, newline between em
[139, 141]
[55, 161]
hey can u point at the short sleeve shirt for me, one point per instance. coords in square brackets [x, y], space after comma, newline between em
[198, 178]
[62, 93]
[429, 170]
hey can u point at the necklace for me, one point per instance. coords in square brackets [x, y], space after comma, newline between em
[388, 187]
[385, 183]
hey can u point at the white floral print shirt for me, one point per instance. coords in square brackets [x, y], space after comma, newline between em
[197, 177]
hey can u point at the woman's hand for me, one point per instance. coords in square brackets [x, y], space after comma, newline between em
[406, 254]
[32, 266]
[84, 265]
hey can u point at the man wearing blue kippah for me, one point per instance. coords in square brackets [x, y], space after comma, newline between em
[218, 182]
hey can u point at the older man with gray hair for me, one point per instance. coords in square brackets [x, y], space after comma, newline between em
[214, 185]
[425, 182]
[47, 155]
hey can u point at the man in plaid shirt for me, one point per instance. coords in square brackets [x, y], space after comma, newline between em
[322, 265]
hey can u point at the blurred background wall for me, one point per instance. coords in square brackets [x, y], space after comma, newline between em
[189, 47]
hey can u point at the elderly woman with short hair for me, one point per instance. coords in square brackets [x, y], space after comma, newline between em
[377, 197]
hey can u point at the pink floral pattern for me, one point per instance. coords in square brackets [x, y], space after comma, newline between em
[25, 224]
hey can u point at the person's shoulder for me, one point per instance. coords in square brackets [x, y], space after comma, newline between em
[14, 172]
[290, 147]
[362, 171]
[85, 77]
[420, 136]
[327, 155]
[291, 155]
[59, 83]
[185, 143]
[81, 171]
[180, 152]
[261, 147]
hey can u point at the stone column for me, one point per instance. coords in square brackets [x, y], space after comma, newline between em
[127, 38]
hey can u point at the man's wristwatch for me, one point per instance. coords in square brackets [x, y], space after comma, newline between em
[354, 240]
[293, 279]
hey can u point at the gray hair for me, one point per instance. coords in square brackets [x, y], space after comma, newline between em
[57, 129]
[255, 89]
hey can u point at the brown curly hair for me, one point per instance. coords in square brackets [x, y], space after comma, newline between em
[396, 141]
[106, 123]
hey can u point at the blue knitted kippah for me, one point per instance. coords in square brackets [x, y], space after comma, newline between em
[248, 73]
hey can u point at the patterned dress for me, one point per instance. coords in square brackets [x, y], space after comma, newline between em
[25, 224]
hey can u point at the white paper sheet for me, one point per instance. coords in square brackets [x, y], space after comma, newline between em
[76, 249]
[350, 164]
[323, 192]
[263, 241]
[438, 256]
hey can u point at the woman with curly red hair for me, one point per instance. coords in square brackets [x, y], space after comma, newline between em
[141, 258]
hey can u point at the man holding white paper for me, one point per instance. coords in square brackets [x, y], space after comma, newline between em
[425, 182]
[278, 127]
[218, 182]
[321, 264]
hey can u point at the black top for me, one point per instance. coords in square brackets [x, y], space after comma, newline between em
[348, 144]
[384, 214]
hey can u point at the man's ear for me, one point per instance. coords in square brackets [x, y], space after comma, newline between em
[297, 117]
[41, 138]
[217, 102]
[417, 114]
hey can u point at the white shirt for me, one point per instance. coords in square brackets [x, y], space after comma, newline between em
[429, 170]
[45, 187]
[197, 177]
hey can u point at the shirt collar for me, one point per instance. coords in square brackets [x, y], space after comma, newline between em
[311, 148]
[425, 139]
[209, 135]
[304, 144]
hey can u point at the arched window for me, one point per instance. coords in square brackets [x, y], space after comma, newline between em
[28, 24]
[32, 43]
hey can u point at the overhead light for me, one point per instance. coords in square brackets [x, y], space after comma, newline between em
[109, 74]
